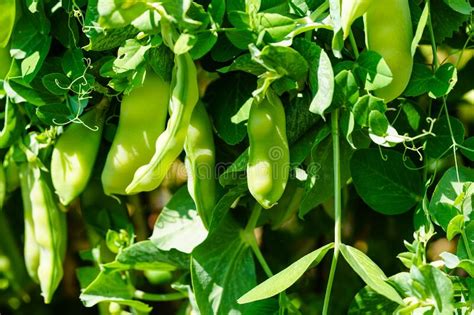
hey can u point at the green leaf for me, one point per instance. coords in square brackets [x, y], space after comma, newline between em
[364, 106]
[179, 225]
[21, 92]
[285, 61]
[468, 143]
[452, 262]
[244, 63]
[445, 21]
[440, 145]
[112, 287]
[390, 185]
[372, 70]
[372, 275]
[367, 301]
[437, 84]
[461, 6]
[222, 269]
[130, 56]
[146, 255]
[455, 226]
[442, 205]
[225, 202]
[225, 97]
[378, 123]
[346, 91]
[119, 13]
[56, 83]
[285, 278]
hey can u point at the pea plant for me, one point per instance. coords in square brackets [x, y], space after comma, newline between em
[236, 157]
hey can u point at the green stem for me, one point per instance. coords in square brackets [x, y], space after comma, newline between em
[466, 244]
[337, 206]
[353, 45]
[138, 218]
[433, 40]
[158, 297]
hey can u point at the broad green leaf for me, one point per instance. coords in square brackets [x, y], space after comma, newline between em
[225, 97]
[179, 225]
[469, 152]
[378, 123]
[440, 145]
[452, 262]
[111, 287]
[285, 278]
[130, 56]
[445, 21]
[56, 83]
[119, 13]
[364, 106]
[244, 63]
[449, 187]
[369, 302]
[437, 84]
[455, 226]
[146, 255]
[285, 61]
[372, 70]
[21, 92]
[225, 202]
[275, 26]
[372, 275]
[222, 269]
[461, 6]
[390, 185]
[435, 287]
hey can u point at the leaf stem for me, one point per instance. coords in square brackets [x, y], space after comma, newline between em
[353, 45]
[158, 297]
[337, 206]
[433, 40]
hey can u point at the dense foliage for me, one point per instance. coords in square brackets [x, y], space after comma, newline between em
[236, 157]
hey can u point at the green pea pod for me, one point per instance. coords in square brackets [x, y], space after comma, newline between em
[7, 20]
[72, 164]
[3, 186]
[31, 248]
[12, 126]
[200, 163]
[5, 62]
[171, 142]
[49, 231]
[12, 177]
[142, 119]
[388, 31]
[350, 11]
[269, 157]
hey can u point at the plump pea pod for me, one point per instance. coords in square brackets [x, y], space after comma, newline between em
[142, 119]
[31, 248]
[170, 143]
[269, 157]
[350, 11]
[49, 231]
[7, 20]
[72, 164]
[12, 125]
[200, 163]
[388, 31]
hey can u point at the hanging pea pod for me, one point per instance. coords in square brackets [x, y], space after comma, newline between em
[269, 157]
[200, 163]
[31, 248]
[5, 62]
[142, 119]
[388, 31]
[7, 20]
[171, 142]
[72, 164]
[350, 11]
[12, 125]
[49, 229]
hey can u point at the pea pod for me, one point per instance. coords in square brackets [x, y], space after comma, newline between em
[170, 143]
[350, 11]
[388, 31]
[31, 248]
[142, 119]
[5, 62]
[7, 20]
[72, 164]
[269, 157]
[200, 163]
[49, 229]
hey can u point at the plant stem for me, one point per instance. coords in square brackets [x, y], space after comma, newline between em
[353, 45]
[337, 206]
[158, 297]
[433, 40]
[466, 244]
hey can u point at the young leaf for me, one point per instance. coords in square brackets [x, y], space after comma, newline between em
[372, 275]
[179, 225]
[372, 71]
[285, 278]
